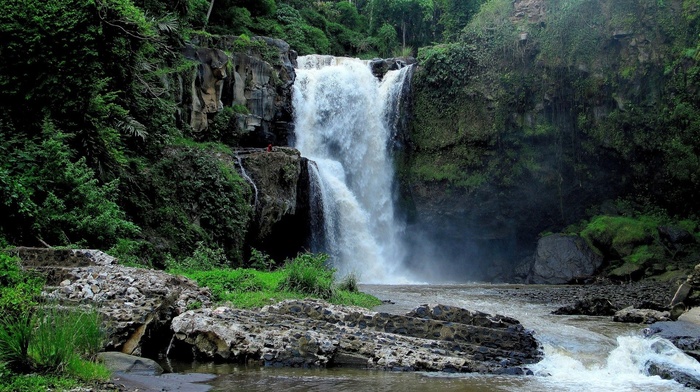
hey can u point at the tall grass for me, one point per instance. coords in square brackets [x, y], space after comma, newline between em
[304, 276]
[308, 274]
[52, 339]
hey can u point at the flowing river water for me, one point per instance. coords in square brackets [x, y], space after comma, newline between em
[582, 353]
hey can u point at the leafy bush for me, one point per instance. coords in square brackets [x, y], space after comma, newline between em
[620, 234]
[203, 258]
[57, 199]
[308, 274]
[19, 290]
[261, 261]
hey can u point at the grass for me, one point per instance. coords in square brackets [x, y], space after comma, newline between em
[51, 348]
[305, 276]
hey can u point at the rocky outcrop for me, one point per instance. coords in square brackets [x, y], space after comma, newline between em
[255, 89]
[137, 304]
[688, 293]
[264, 87]
[314, 333]
[533, 11]
[563, 259]
[381, 66]
[279, 177]
[207, 85]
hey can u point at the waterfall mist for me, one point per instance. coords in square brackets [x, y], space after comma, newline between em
[342, 115]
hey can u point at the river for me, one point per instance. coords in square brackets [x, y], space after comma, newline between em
[581, 352]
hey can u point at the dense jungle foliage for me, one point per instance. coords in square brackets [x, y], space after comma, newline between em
[586, 109]
[90, 142]
[538, 118]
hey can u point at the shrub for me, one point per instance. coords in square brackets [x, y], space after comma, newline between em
[308, 274]
[19, 290]
[349, 283]
[620, 234]
[203, 258]
[261, 261]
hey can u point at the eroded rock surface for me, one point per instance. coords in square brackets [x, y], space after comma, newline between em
[314, 333]
[135, 302]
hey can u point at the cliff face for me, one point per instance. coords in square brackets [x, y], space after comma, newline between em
[545, 113]
[247, 85]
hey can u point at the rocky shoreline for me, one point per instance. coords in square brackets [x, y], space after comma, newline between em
[150, 312]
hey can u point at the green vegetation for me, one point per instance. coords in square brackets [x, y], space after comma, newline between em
[633, 245]
[538, 118]
[305, 275]
[43, 346]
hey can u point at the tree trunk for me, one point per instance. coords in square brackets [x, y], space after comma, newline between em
[211, 7]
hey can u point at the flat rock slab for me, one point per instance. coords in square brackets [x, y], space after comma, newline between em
[190, 382]
[312, 333]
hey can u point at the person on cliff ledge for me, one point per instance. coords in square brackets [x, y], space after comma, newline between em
[269, 148]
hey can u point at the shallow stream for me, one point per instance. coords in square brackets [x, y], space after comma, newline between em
[581, 352]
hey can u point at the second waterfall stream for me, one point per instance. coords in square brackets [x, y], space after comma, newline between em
[343, 116]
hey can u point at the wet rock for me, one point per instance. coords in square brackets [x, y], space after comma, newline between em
[120, 362]
[588, 307]
[683, 334]
[563, 259]
[644, 316]
[316, 334]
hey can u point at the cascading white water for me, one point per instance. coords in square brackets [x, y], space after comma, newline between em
[340, 123]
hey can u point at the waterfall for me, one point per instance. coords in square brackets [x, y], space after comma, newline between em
[342, 115]
[247, 178]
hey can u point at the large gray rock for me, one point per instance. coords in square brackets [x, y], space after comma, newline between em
[643, 316]
[136, 303]
[683, 373]
[563, 259]
[313, 333]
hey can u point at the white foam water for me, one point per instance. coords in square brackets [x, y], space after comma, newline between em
[341, 124]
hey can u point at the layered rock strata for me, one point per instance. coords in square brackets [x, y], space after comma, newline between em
[136, 303]
[313, 333]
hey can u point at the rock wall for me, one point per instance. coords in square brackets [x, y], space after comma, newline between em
[207, 85]
[535, 121]
[253, 90]
[280, 225]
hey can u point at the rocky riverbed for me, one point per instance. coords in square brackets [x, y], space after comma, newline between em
[150, 312]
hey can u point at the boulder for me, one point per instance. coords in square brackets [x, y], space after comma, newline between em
[684, 334]
[644, 316]
[313, 333]
[588, 307]
[119, 362]
[563, 259]
[688, 293]
[380, 67]
[682, 371]
[136, 303]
